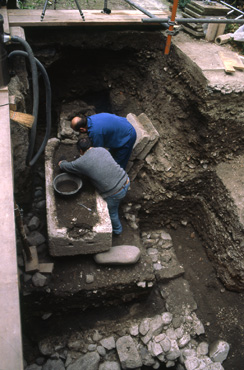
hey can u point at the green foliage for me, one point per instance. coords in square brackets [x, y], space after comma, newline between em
[236, 45]
[22, 5]
[231, 28]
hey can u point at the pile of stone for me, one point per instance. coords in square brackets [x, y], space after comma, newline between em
[40, 267]
[162, 339]
[201, 9]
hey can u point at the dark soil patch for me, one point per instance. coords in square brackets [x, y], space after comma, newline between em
[67, 186]
[76, 212]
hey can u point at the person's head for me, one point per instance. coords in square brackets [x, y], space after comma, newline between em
[79, 124]
[84, 144]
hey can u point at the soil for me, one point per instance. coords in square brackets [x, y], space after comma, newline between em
[76, 212]
[67, 186]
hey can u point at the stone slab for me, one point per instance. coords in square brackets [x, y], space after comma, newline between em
[153, 133]
[208, 9]
[119, 255]
[98, 239]
[143, 136]
[172, 272]
[147, 135]
[178, 296]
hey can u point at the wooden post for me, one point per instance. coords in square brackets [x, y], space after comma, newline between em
[211, 31]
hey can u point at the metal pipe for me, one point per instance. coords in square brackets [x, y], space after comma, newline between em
[231, 7]
[193, 20]
[165, 25]
[4, 74]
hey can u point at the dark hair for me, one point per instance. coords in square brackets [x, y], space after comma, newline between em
[84, 144]
[81, 124]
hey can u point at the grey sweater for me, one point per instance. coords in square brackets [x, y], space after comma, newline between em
[98, 164]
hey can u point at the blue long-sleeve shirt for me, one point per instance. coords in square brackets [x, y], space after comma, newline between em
[108, 130]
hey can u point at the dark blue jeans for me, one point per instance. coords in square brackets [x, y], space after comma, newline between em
[113, 203]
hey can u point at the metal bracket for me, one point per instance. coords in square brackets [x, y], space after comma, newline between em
[171, 33]
[106, 11]
[171, 23]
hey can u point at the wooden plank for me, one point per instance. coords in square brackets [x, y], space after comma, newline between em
[32, 17]
[4, 13]
[33, 264]
[231, 62]
[46, 268]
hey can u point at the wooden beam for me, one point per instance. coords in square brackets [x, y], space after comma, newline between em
[4, 13]
[32, 18]
[231, 62]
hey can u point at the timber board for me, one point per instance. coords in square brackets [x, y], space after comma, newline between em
[32, 18]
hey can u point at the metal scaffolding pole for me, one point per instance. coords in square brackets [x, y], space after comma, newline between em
[164, 25]
[233, 9]
[193, 20]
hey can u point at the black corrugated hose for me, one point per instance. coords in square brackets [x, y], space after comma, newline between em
[30, 159]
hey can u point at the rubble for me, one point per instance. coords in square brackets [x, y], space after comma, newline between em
[165, 344]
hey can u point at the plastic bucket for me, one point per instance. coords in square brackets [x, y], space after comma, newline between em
[67, 184]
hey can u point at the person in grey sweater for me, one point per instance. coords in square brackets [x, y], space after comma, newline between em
[110, 180]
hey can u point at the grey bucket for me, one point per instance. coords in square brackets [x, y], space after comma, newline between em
[63, 177]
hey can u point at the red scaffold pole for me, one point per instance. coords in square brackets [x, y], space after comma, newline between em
[171, 27]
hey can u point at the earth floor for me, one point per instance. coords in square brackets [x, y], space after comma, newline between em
[220, 310]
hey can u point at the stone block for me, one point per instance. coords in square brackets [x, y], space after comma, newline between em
[61, 243]
[150, 129]
[147, 135]
[142, 138]
[134, 169]
[119, 255]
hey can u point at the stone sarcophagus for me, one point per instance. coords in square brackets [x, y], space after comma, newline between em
[76, 224]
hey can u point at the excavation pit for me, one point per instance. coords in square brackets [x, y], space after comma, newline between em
[178, 184]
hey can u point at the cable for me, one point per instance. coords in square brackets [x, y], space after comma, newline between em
[32, 161]
[35, 86]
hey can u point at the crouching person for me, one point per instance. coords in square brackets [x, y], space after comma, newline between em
[110, 180]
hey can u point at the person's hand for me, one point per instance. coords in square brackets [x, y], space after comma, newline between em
[62, 158]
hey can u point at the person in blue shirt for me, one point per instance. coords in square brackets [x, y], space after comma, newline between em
[108, 131]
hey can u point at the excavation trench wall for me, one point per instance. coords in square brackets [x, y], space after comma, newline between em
[200, 127]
